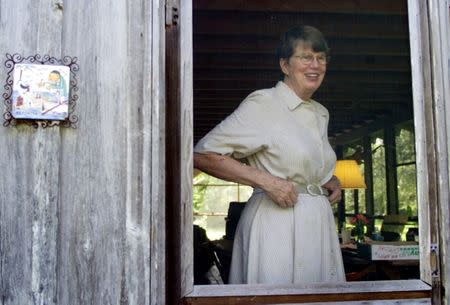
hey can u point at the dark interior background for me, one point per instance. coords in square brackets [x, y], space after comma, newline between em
[368, 80]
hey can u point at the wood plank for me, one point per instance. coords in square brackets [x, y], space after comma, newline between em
[217, 94]
[343, 6]
[268, 62]
[342, 116]
[304, 293]
[186, 149]
[142, 280]
[179, 156]
[107, 192]
[173, 166]
[390, 169]
[96, 241]
[270, 24]
[326, 88]
[378, 302]
[424, 133]
[335, 108]
[231, 301]
[368, 176]
[350, 136]
[213, 43]
[45, 212]
[375, 105]
[46, 167]
[331, 102]
[29, 197]
[153, 166]
[439, 47]
[377, 77]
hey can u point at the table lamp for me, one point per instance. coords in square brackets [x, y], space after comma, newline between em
[349, 175]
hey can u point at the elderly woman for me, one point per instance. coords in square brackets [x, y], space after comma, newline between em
[286, 233]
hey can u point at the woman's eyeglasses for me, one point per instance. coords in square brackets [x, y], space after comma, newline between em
[307, 59]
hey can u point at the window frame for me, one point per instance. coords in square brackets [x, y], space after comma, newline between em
[402, 164]
[428, 185]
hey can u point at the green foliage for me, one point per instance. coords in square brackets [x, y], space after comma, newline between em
[406, 172]
[404, 142]
[200, 185]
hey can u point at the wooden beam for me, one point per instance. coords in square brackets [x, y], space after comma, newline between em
[219, 94]
[32, 166]
[341, 6]
[173, 167]
[425, 138]
[303, 293]
[391, 169]
[331, 103]
[326, 88]
[359, 132]
[179, 234]
[347, 114]
[379, 77]
[251, 44]
[368, 177]
[269, 62]
[331, 25]
[439, 14]
[153, 148]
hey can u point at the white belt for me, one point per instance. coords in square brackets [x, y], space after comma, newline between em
[311, 188]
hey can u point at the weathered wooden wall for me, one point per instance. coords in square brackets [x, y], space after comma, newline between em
[439, 41]
[81, 210]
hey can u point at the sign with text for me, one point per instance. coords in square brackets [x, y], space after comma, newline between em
[395, 251]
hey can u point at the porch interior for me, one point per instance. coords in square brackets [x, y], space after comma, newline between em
[367, 90]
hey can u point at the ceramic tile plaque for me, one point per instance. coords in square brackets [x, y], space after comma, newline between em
[40, 92]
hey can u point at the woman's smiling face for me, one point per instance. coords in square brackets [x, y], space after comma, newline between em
[304, 70]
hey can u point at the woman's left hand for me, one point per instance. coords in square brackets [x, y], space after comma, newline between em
[334, 187]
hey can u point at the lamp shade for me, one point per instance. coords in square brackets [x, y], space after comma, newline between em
[349, 174]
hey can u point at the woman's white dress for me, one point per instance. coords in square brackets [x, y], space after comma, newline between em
[275, 131]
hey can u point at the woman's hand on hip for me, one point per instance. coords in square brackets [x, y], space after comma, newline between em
[282, 192]
[334, 187]
[224, 167]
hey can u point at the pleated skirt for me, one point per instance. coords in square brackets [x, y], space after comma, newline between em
[275, 245]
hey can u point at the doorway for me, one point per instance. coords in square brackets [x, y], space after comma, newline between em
[367, 91]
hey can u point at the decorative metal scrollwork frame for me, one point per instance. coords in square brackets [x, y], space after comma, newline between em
[11, 61]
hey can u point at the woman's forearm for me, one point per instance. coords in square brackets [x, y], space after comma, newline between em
[229, 169]
[279, 190]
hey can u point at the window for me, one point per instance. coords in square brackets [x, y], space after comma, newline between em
[211, 197]
[406, 169]
[404, 165]
[222, 295]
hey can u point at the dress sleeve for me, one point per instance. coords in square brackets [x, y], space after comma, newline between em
[330, 163]
[240, 134]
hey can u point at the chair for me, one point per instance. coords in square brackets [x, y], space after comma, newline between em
[393, 227]
[357, 268]
[234, 213]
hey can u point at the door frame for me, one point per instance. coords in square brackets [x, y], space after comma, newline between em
[432, 170]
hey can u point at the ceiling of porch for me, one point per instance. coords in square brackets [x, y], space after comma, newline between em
[368, 79]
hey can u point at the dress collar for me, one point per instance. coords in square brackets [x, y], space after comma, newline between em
[289, 96]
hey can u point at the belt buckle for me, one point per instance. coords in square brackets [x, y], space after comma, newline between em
[314, 189]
